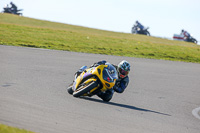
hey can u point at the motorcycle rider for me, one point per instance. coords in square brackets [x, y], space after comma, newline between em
[123, 69]
[185, 34]
[138, 24]
[13, 8]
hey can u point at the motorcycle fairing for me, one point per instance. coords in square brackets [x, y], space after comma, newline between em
[87, 76]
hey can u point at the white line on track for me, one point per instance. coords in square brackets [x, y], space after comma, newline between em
[195, 112]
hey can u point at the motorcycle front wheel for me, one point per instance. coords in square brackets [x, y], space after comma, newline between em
[84, 89]
[69, 89]
[195, 41]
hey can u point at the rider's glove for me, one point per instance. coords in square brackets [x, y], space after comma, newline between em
[116, 86]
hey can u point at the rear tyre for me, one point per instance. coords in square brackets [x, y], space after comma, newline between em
[147, 33]
[84, 89]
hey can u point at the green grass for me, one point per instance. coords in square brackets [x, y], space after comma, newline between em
[23, 31]
[8, 129]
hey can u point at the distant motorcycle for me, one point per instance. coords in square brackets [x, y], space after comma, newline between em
[182, 38]
[9, 10]
[137, 30]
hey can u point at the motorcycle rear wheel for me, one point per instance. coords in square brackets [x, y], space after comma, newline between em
[84, 89]
[147, 33]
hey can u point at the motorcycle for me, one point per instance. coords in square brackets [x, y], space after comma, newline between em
[9, 10]
[182, 38]
[94, 80]
[137, 30]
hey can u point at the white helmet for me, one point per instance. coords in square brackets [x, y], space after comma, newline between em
[123, 68]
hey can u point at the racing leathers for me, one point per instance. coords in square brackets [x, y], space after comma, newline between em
[139, 25]
[185, 34]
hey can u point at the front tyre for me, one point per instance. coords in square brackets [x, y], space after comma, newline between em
[84, 89]
[69, 90]
[195, 41]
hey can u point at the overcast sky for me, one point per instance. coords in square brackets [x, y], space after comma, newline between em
[164, 17]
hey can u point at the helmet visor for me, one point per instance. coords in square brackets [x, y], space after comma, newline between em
[123, 72]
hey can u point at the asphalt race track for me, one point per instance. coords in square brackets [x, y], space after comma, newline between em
[160, 98]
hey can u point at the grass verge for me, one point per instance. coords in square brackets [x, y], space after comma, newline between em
[8, 129]
[28, 32]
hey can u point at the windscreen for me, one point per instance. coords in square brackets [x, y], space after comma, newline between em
[110, 73]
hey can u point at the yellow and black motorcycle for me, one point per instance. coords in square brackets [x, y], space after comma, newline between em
[94, 80]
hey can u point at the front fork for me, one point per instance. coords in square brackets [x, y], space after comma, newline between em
[76, 75]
